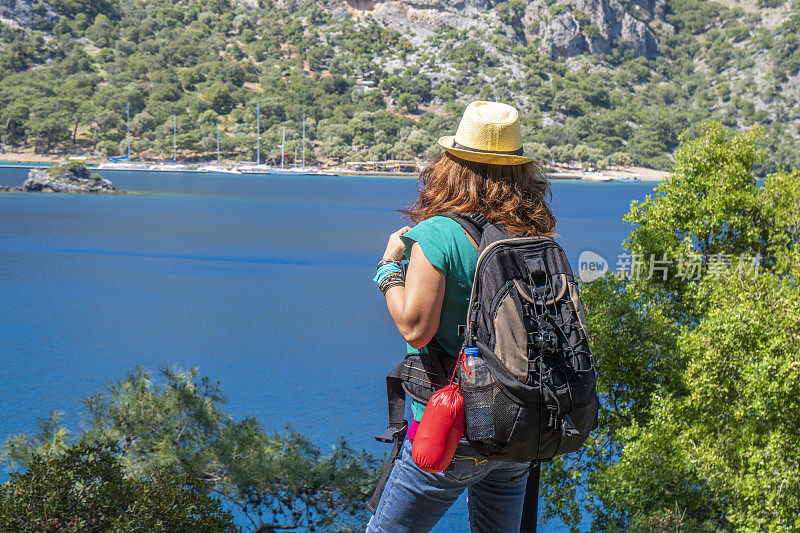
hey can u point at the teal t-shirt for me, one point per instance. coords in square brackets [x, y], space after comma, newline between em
[447, 247]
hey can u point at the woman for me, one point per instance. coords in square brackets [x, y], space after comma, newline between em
[484, 170]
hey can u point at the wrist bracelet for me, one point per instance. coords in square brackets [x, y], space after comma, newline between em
[386, 270]
[392, 278]
[386, 286]
[395, 278]
[389, 274]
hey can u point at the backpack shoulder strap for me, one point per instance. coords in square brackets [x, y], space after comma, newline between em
[530, 509]
[473, 224]
[482, 230]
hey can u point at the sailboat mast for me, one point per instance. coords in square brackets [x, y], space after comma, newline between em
[128, 126]
[174, 141]
[258, 133]
[217, 143]
[283, 144]
[304, 140]
[294, 161]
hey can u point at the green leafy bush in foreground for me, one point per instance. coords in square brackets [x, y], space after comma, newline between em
[166, 456]
[699, 376]
[86, 489]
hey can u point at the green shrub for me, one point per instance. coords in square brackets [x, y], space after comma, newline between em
[85, 488]
[580, 16]
[149, 444]
[737, 33]
[592, 31]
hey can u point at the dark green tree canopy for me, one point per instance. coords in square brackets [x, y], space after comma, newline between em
[698, 373]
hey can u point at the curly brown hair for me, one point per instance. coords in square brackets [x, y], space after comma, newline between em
[515, 196]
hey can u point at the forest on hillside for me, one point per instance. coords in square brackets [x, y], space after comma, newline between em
[369, 92]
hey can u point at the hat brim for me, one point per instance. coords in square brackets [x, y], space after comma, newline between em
[447, 142]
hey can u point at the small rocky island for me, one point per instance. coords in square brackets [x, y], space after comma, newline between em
[71, 176]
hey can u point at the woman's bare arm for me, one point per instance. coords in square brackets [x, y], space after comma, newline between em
[417, 306]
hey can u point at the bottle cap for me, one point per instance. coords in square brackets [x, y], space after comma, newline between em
[471, 350]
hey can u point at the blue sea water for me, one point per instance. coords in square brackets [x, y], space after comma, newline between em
[262, 282]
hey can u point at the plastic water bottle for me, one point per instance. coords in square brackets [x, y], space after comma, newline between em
[479, 373]
[480, 423]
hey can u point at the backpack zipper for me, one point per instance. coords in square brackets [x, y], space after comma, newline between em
[504, 290]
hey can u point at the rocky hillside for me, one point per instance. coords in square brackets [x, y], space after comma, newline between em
[737, 61]
[601, 81]
[558, 30]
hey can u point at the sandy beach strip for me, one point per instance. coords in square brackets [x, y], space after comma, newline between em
[17, 160]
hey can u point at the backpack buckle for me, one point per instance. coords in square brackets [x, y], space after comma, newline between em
[479, 219]
[391, 433]
[568, 428]
[551, 422]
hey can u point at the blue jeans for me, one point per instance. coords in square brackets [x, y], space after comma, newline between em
[414, 500]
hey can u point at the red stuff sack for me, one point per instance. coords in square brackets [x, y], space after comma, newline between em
[440, 430]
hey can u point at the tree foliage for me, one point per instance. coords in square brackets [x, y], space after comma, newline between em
[148, 430]
[698, 375]
[85, 488]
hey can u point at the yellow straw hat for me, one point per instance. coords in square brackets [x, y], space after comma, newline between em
[488, 133]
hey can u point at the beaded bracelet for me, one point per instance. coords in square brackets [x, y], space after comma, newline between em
[389, 274]
[396, 278]
[385, 287]
[388, 261]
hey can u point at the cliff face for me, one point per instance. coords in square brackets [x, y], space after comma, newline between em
[418, 17]
[559, 30]
[24, 13]
[593, 26]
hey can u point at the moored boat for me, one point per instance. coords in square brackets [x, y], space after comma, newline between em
[254, 169]
[301, 170]
[215, 168]
[122, 166]
[169, 167]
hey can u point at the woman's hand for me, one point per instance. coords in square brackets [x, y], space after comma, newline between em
[395, 246]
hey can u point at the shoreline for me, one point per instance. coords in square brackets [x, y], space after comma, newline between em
[558, 173]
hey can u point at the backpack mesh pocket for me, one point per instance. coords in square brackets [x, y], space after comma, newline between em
[479, 414]
[505, 412]
[490, 417]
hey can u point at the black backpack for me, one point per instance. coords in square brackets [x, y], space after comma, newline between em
[527, 320]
